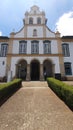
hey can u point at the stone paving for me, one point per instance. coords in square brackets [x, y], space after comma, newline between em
[69, 82]
[35, 107]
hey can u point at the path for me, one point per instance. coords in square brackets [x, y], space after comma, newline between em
[35, 107]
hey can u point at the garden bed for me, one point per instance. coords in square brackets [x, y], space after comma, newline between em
[64, 91]
[7, 89]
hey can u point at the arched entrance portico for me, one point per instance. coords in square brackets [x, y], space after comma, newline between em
[21, 69]
[48, 68]
[35, 70]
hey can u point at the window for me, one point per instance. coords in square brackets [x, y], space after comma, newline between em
[3, 62]
[22, 47]
[34, 32]
[4, 49]
[47, 47]
[38, 20]
[35, 47]
[30, 20]
[35, 12]
[68, 70]
[65, 48]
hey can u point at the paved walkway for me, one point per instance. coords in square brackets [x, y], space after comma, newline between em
[35, 107]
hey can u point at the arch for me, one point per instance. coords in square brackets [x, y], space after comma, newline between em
[34, 59]
[48, 59]
[35, 70]
[22, 41]
[35, 41]
[47, 68]
[21, 69]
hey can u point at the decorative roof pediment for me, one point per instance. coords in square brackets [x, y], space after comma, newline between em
[35, 10]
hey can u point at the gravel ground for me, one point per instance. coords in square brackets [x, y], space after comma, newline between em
[35, 107]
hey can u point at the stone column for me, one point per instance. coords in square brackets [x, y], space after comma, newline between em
[61, 58]
[53, 70]
[62, 70]
[28, 72]
[9, 76]
[41, 72]
[9, 54]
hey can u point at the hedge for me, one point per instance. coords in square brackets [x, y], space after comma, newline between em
[8, 88]
[64, 91]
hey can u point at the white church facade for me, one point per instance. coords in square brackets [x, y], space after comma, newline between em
[36, 51]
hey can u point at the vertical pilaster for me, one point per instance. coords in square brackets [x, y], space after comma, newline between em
[61, 59]
[28, 72]
[10, 47]
[25, 31]
[41, 72]
[53, 70]
[44, 31]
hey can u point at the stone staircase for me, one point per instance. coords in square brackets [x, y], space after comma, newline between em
[35, 84]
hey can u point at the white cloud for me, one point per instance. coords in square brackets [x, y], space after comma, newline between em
[65, 24]
[0, 33]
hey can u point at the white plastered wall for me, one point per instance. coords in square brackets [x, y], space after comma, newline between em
[49, 33]
[54, 47]
[15, 47]
[39, 31]
[2, 66]
[20, 33]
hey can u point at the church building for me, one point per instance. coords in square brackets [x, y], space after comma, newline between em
[35, 51]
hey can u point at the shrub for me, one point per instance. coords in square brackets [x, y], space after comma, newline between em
[8, 88]
[64, 91]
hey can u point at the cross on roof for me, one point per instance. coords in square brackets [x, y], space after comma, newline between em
[35, 2]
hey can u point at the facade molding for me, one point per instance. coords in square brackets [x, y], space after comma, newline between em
[34, 55]
[34, 38]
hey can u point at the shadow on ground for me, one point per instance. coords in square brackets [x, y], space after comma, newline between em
[5, 98]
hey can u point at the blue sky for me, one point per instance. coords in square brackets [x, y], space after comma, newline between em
[58, 12]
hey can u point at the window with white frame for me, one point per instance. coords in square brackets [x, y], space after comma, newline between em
[65, 49]
[38, 20]
[47, 47]
[4, 49]
[68, 70]
[34, 32]
[22, 47]
[35, 47]
[30, 20]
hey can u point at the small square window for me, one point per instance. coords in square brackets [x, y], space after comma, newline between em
[3, 62]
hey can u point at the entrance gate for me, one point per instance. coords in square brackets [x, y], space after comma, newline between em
[35, 70]
[22, 69]
[48, 68]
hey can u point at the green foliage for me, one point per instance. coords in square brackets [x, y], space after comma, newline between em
[10, 87]
[64, 91]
